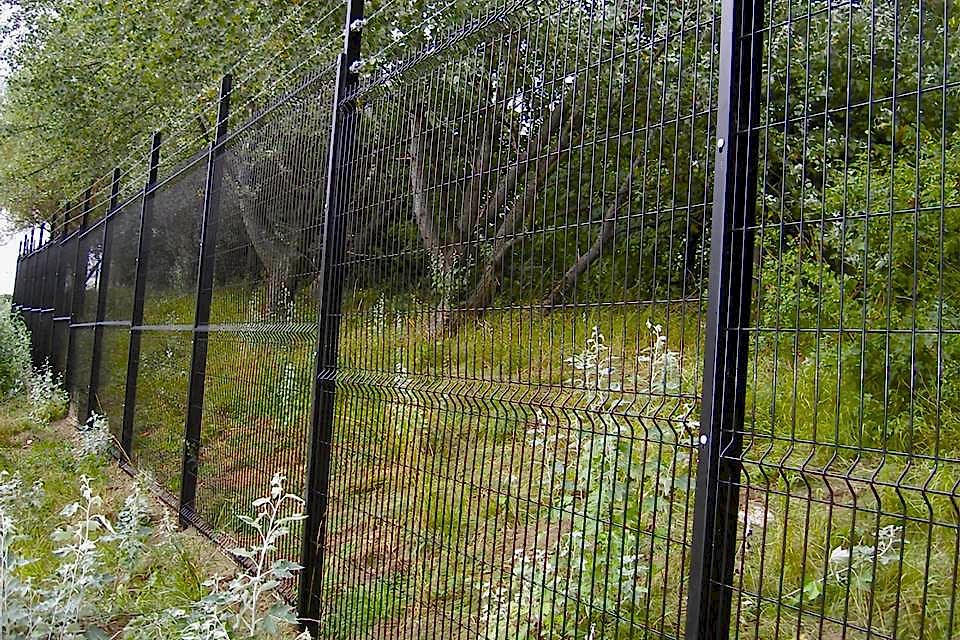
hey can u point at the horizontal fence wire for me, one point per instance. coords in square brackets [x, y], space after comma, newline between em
[848, 497]
[516, 206]
[512, 449]
[262, 329]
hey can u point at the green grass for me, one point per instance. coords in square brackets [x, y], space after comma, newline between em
[360, 609]
[452, 451]
[169, 575]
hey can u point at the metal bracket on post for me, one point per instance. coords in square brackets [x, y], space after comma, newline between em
[198, 361]
[102, 292]
[136, 315]
[342, 131]
[76, 302]
[713, 550]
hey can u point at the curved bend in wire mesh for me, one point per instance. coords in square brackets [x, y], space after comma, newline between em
[570, 320]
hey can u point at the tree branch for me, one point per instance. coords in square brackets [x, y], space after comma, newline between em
[419, 185]
[518, 217]
[607, 229]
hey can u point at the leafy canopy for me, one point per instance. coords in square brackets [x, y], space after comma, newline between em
[89, 80]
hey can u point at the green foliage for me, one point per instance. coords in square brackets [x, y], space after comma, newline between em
[89, 81]
[48, 399]
[14, 353]
[883, 266]
[92, 559]
[94, 437]
[900, 270]
[854, 566]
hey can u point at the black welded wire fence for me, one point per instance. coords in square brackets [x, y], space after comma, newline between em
[570, 319]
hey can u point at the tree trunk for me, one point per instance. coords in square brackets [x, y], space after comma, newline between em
[275, 255]
[419, 186]
[570, 278]
[515, 221]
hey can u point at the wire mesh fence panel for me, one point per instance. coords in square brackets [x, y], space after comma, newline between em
[109, 399]
[520, 340]
[124, 230]
[30, 316]
[84, 314]
[170, 264]
[36, 302]
[847, 501]
[45, 328]
[123, 235]
[91, 261]
[81, 350]
[262, 331]
[63, 303]
[162, 384]
[32, 305]
[173, 254]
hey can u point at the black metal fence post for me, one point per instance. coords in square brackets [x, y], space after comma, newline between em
[51, 265]
[76, 302]
[728, 314]
[29, 316]
[60, 313]
[97, 355]
[136, 315]
[41, 284]
[342, 130]
[198, 361]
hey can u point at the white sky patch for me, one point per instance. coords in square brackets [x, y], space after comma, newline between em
[9, 238]
[517, 103]
[8, 262]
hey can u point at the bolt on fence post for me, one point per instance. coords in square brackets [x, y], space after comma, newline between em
[76, 302]
[201, 319]
[102, 293]
[715, 523]
[342, 130]
[136, 315]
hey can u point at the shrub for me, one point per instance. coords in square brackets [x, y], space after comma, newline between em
[14, 354]
[94, 436]
[48, 399]
[94, 553]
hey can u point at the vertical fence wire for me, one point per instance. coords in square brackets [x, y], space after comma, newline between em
[209, 226]
[567, 320]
